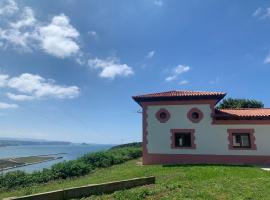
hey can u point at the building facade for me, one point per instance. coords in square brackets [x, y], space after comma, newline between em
[185, 127]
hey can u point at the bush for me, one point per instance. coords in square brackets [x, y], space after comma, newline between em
[13, 179]
[68, 169]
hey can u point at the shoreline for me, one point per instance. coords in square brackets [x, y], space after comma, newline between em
[27, 164]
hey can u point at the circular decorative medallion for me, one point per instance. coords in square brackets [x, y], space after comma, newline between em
[195, 115]
[163, 115]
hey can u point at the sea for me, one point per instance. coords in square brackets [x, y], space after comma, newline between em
[67, 152]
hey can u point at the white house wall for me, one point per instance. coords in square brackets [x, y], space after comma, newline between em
[210, 139]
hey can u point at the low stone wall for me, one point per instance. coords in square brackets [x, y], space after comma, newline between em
[88, 190]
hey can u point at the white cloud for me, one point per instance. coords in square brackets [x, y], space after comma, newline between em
[7, 105]
[177, 71]
[27, 19]
[16, 38]
[158, 2]
[93, 33]
[262, 13]
[38, 87]
[59, 37]
[3, 79]
[110, 67]
[8, 7]
[267, 59]
[150, 54]
[183, 82]
[21, 32]
[30, 87]
[19, 97]
[257, 12]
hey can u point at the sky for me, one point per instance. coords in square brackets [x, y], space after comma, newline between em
[68, 68]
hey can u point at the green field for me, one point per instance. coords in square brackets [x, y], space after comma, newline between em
[173, 182]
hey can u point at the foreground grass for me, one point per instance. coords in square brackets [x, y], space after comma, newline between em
[173, 182]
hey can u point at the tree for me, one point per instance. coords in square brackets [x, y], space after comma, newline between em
[240, 103]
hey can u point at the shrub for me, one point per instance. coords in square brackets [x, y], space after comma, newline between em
[68, 169]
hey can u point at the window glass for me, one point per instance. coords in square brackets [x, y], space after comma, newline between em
[245, 141]
[195, 115]
[163, 115]
[241, 140]
[183, 139]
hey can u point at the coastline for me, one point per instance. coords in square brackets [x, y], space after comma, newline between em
[31, 163]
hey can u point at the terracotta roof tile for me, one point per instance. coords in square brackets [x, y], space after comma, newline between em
[243, 113]
[180, 93]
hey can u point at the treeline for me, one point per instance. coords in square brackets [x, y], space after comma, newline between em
[67, 169]
[22, 142]
[133, 144]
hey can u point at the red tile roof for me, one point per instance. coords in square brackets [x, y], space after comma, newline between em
[181, 93]
[242, 113]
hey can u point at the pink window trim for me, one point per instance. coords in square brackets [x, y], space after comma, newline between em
[158, 115]
[251, 136]
[191, 131]
[192, 110]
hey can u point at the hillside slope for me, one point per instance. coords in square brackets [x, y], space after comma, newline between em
[173, 182]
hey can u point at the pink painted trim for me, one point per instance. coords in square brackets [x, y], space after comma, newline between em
[191, 131]
[204, 159]
[192, 110]
[184, 102]
[251, 136]
[217, 122]
[161, 111]
[145, 141]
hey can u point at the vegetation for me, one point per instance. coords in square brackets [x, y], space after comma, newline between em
[133, 144]
[240, 103]
[68, 169]
[173, 182]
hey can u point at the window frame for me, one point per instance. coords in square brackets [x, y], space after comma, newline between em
[183, 131]
[249, 132]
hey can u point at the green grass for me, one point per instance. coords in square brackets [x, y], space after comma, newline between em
[172, 182]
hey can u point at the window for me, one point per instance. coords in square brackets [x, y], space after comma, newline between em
[195, 115]
[241, 139]
[163, 115]
[183, 138]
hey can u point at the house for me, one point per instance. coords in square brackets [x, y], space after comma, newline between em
[185, 127]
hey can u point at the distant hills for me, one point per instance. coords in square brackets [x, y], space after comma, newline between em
[133, 144]
[18, 142]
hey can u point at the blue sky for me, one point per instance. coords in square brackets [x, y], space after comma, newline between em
[68, 69]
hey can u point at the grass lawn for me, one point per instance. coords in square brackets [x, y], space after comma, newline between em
[173, 182]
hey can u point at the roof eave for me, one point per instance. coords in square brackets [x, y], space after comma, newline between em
[139, 100]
